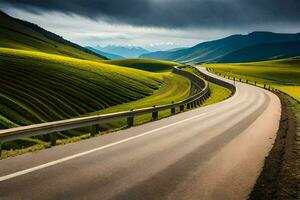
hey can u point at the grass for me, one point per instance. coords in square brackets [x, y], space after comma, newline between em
[37, 87]
[282, 74]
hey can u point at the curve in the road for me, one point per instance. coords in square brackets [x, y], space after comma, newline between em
[214, 152]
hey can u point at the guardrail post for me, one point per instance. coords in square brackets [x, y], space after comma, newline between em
[181, 108]
[173, 110]
[0, 149]
[95, 129]
[188, 106]
[155, 115]
[264, 86]
[198, 102]
[130, 121]
[255, 83]
[195, 104]
[53, 137]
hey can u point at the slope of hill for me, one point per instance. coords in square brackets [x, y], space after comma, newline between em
[262, 52]
[19, 34]
[144, 64]
[50, 87]
[124, 51]
[213, 51]
[107, 55]
[45, 78]
[283, 74]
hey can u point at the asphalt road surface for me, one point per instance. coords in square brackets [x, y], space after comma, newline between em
[213, 152]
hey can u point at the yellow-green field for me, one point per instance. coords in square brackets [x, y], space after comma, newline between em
[281, 74]
[38, 87]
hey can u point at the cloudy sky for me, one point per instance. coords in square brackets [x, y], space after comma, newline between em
[155, 24]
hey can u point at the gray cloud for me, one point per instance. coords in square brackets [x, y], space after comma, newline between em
[175, 13]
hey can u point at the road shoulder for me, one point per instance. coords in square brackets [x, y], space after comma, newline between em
[279, 179]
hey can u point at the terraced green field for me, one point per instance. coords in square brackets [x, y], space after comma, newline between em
[46, 78]
[281, 74]
[38, 87]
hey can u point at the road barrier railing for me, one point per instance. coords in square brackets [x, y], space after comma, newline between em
[254, 83]
[95, 121]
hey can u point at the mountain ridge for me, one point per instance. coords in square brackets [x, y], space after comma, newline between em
[107, 55]
[124, 51]
[213, 51]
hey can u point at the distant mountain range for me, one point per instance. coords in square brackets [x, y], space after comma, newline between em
[107, 55]
[255, 46]
[123, 51]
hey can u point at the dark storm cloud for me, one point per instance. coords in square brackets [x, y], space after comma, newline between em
[175, 13]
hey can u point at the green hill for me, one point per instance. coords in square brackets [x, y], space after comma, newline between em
[38, 87]
[46, 78]
[18, 34]
[214, 51]
[263, 52]
[283, 74]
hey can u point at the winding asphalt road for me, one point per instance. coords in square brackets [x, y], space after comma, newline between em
[213, 152]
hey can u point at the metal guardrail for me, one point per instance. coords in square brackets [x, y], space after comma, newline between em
[63, 125]
[254, 83]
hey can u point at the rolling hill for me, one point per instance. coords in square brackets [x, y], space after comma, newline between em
[214, 51]
[19, 34]
[263, 52]
[46, 78]
[49, 87]
[283, 74]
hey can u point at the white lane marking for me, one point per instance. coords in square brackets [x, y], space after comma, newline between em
[26, 171]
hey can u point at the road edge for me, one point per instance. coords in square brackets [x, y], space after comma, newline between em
[274, 182]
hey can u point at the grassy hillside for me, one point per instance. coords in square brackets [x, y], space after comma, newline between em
[214, 51]
[144, 64]
[263, 52]
[18, 34]
[38, 87]
[283, 74]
